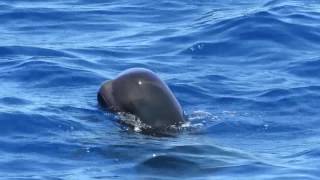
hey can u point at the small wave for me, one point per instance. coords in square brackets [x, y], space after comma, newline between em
[215, 48]
[258, 27]
[77, 26]
[310, 153]
[169, 165]
[5, 7]
[274, 93]
[30, 124]
[200, 95]
[310, 69]
[39, 15]
[110, 52]
[31, 51]
[37, 73]
[183, 163]
[14, 101]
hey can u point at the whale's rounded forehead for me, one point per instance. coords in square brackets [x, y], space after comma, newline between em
[139, 74]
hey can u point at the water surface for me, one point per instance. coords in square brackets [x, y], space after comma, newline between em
[246, 73]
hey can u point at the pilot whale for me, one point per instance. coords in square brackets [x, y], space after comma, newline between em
[141, 92]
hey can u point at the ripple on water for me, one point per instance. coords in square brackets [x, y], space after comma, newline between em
[309, 69]
[37, 73]
[199, 161]
[31, 51]
[14, 101]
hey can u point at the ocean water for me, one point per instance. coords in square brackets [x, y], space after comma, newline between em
[247, 74]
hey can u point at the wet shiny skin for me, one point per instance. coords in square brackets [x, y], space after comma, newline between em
[141, 92]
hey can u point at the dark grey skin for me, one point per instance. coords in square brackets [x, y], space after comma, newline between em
[141, 92]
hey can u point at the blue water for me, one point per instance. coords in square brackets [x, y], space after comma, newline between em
[246, 73]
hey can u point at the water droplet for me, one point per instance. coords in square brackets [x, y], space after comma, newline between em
[137, 129]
